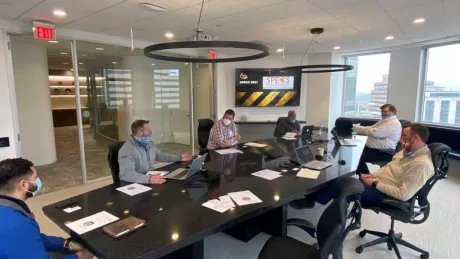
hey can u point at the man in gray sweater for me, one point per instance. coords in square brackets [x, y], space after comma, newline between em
[138, 155]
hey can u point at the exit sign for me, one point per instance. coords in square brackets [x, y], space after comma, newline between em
[212, 54]
[44, 31]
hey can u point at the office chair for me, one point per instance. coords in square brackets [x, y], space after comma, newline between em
[331, 231]
[112, 158]
[275, 132]
[204, 128]
[409, 211]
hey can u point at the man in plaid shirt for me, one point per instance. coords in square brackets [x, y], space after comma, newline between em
[223, 133]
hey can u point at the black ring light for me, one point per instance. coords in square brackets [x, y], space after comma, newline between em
[149, 51]
[327, 68]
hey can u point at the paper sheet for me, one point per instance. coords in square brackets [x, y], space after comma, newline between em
[87, 224]
[228, 151]
[72, 209]
[134, 189]
[290, 135]
[244, 198]
[227, 201]
[162, 173]
[288, 138]
[308, 173]
[252, 144]
[267, 174]
[216, 205]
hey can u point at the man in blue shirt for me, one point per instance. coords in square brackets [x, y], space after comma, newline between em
[20, 235]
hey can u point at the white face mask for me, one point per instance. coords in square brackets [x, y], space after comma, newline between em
[227, 122]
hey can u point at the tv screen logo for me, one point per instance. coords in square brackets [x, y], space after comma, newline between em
[278, 82]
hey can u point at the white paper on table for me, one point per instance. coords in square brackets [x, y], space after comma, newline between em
[290, 135]
[227, 201]
[284, 171]
[134, 189]
[162, 173]
[228, 151]
[267, 174]
[244, 198]
[72, 209]
[308, 173]
[92, 222]
[215, 205]
[288, 138]
[252, 144]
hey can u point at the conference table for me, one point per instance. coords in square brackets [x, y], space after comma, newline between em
[177, 223]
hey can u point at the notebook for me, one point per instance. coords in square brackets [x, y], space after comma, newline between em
[124, 226]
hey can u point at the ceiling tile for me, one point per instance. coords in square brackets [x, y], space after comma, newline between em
[261, 3]
[222, 8]
[366, 8]
[75, 9]
[327, 4]
[434, 15]
[397, 4]
[13, 8]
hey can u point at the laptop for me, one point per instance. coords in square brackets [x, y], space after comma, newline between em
[307, 130]
[185, 173]
[306, 159]
[341, 141]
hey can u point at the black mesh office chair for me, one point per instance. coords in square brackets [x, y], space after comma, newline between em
[204, 128]
[331, 231]
[414, 211]
[112, 158]
[275, 132]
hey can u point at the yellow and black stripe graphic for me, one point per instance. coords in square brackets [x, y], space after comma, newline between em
[266, 99]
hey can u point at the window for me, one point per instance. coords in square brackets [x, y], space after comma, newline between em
[441, 104]
[166, 86]
[366, 86]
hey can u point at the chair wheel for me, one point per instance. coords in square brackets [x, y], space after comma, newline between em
[425, 255]
[362, 233]
[389, 246]
[359, 249]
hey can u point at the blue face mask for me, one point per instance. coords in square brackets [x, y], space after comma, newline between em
[38, 183]
[145, 139]
[386, 115]
[292, 119]
[407, 153]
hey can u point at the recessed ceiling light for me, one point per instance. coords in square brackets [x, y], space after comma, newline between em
[114, 63]
[280, 50]
[53, 41]
[419, 20]
[99, 48]
[153, 64]
[389, 37]
[65, 63]
[152, 7]
[336, 47]
[80, 63]
[64, 53]
[169, 35]
[59, 13]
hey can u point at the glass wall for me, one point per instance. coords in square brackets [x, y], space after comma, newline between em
[441, 99]
[366, 86]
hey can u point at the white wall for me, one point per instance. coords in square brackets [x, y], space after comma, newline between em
[403, 81]
[30, 67]
[225, 77]
[6, 114]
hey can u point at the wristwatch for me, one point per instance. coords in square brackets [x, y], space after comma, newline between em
[374, 184]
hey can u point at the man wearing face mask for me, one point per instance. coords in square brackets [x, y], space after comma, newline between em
[223, 134]
[138, 155]
[20, 235]
[290, 124]
[382, 139]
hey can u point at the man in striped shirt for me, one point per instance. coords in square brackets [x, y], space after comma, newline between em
[223, 134]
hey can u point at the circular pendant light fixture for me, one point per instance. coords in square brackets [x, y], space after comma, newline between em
[311, 69]
[154, 51]
[320, 68]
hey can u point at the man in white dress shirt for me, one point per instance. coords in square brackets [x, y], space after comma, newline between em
[383, 137]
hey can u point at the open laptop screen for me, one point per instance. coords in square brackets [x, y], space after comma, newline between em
[304, 154]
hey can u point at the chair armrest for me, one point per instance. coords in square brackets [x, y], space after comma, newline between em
[403, 205]
[303, 224]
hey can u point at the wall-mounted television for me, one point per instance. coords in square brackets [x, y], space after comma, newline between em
[265, 87]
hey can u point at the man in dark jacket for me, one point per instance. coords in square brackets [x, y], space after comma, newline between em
[20, 235]
[290, 124]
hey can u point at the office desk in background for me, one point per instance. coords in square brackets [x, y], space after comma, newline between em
[176, 223]
[255, 130]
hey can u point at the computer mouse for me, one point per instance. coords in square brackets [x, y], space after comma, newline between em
[342, 162]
